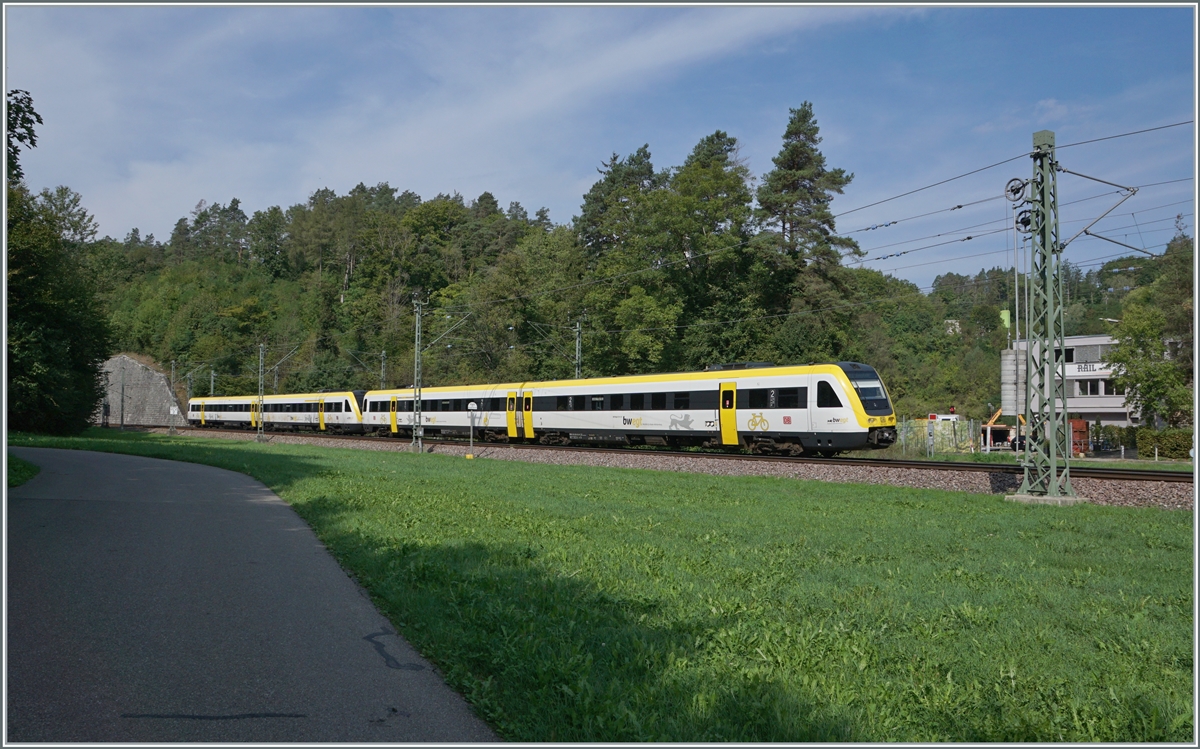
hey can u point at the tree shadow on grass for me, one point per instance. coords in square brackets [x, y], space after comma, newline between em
[547, 657]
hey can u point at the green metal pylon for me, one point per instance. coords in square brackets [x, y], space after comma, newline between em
[1048, 435]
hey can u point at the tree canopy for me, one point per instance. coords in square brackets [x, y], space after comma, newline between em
[664, 269]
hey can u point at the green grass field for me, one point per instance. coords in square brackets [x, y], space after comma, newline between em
[20, 471]
[572, 603]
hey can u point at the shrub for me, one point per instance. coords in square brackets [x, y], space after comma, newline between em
[1171, 443]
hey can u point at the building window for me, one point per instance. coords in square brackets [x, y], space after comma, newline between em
[1066, 355]
[1111, 388]
[1088, 387]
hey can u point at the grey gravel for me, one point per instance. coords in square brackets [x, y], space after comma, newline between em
[1167, 495]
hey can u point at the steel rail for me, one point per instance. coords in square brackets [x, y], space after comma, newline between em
[1115, 474]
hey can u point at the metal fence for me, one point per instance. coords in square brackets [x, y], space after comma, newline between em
[925, 438]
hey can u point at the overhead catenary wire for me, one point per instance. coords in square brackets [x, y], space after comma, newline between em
[859, 261]
[1001, 163]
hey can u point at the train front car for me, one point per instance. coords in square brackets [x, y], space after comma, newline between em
[874, 409]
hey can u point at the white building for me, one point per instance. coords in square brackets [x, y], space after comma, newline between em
[1091, 394]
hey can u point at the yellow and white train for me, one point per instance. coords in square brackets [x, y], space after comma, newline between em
[339, 412]
[823, 409]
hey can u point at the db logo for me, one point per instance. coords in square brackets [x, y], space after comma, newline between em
[787, 419]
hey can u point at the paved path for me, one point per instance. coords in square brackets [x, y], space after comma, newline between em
[155, 601]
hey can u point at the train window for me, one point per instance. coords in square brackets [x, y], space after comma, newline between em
[758, 398]
[562, 403]
[597, 402]
[682, 400]
[789, 397]
[616, 402]
[726, 399]
[637, 402]
[445, 406]
[658, 401]
[458, 406]
[512, 403]
[346, 406]
[826, 398]
[528, 403]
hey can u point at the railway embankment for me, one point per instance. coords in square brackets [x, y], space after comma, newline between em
[1103, 491]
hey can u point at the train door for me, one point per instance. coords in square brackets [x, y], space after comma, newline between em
[512, 414]
[202, 418]
[392, 414]
[321, 414]
[728, 404]
[253, 415]
[527, 412]
[833, 413]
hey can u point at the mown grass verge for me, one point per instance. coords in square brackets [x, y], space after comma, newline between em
[572, 603]
[19, 471]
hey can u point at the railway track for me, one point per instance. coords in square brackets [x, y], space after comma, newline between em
[1117, 474]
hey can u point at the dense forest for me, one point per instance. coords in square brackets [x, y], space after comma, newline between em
[664, 269]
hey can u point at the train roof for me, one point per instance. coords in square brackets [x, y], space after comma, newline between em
[854, 370]
[273, 397]
[712, 374]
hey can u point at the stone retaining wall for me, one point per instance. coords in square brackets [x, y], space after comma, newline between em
[147, 395]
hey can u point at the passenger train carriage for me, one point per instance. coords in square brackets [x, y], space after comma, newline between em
[823, 409]
[333, 412]
[818, 408]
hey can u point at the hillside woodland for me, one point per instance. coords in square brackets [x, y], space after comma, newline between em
[664, 269]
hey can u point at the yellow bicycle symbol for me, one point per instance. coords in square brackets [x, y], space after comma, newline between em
[758, 421]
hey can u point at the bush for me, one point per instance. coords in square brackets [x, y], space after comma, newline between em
[1171, 443]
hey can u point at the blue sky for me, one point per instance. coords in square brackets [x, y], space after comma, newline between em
[148, 110]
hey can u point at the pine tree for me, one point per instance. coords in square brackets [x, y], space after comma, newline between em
[795, 195]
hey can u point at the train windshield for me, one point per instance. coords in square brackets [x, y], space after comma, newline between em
[868, 387]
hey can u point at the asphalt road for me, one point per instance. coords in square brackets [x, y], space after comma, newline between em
[155, 601]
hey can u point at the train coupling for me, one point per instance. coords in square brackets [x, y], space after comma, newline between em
[882, 436]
